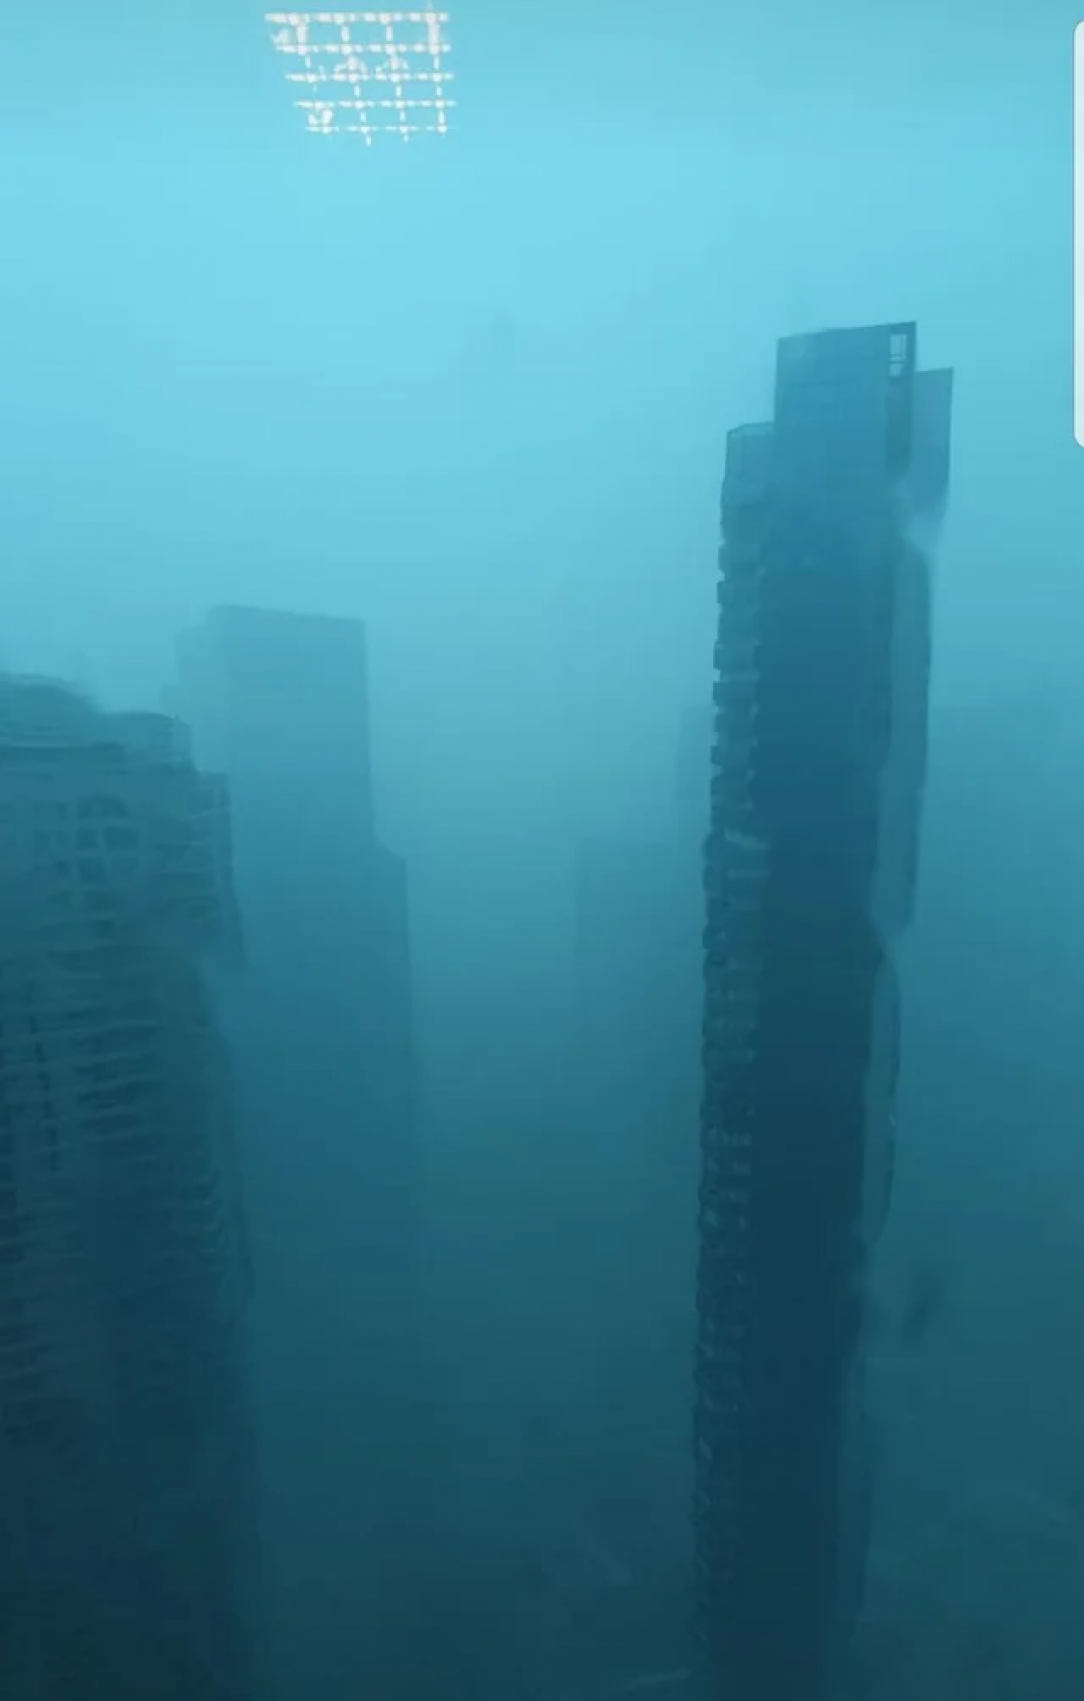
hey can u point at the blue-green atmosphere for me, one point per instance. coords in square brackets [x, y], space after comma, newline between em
[541, 940]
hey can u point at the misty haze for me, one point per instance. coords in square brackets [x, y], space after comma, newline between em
[541, 804]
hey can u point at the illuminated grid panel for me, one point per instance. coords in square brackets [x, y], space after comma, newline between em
[364, 73]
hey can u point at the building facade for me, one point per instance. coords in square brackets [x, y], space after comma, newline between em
[818, 767]
[127, 1533]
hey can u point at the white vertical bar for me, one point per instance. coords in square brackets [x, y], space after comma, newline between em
[1078, 233]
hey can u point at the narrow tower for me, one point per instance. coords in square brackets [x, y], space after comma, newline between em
[818, 768]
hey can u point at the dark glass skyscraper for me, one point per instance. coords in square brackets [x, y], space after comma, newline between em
[818, 766]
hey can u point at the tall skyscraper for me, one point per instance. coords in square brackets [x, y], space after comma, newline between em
[322, 1035]
[822, 671]
[127, 1523]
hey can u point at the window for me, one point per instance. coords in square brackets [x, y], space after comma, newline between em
[95, 808]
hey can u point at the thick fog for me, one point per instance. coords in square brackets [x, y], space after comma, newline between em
[474, 392]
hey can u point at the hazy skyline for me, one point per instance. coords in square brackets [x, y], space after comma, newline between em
[475, 393]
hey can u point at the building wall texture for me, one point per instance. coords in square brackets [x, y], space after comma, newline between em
[818, 768]
[126, 1558]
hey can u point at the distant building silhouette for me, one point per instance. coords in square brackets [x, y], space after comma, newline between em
[323, 1038]
[127, 1523]
[639, 996]
[638, 965]
[818, 769]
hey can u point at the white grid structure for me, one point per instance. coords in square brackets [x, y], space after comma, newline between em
[367, 73]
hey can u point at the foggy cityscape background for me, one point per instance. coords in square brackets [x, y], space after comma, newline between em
[474, 394]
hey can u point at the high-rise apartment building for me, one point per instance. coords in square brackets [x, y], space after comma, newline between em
[818, 768]
[322, 1036]
[127, 1523]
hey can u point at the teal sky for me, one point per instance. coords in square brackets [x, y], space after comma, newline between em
[477, 390]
